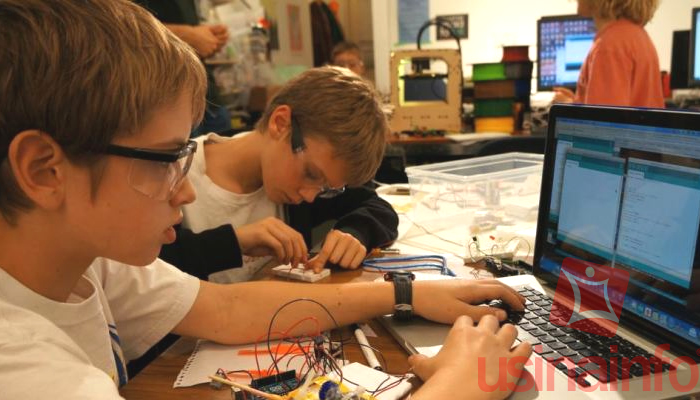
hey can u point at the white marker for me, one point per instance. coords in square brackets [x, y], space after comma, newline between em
[366, 349]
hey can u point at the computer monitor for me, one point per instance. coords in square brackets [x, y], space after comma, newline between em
[621, 189]
[680, 60]
[562, 45]
[694, 68]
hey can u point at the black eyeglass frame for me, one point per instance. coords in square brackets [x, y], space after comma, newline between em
[298, 146]
[167, 156]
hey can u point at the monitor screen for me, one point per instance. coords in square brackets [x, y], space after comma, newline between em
[694, 78]
[624, 193]
[562, 45]
[679, 59]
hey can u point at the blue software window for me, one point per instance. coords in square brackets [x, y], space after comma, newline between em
[588, 218]
[659, 220]
[563, 43]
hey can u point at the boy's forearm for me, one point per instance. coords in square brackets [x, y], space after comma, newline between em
[241, 313]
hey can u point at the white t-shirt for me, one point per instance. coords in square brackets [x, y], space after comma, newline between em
[78, 349]
[216, 206]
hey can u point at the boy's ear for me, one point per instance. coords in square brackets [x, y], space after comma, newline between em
[280, 124]
[37, 163]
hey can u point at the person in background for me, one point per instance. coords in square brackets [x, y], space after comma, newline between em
[622, 66]
[348, 55]
[263, 193]
[182, 18]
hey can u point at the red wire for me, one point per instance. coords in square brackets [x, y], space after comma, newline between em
[282, 336]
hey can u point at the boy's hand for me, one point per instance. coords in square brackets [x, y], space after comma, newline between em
[272, 236]
[339, 248]
[470, 358]
[444, 301]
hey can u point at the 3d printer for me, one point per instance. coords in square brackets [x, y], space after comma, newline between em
[424, 99]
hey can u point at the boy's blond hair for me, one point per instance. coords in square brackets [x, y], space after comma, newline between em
[638, 11]
[338, 106]
[85, 72]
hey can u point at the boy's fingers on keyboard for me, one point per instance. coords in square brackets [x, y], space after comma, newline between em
[484, 292]
[507, 335]
[524, 349]
[494, 282]
[488, 323]
[512, 291]
[514, 299]
[478, 312]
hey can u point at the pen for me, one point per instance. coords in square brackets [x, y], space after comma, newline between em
[376, 252]
[366, 348]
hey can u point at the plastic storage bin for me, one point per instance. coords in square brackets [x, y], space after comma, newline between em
[473, 196]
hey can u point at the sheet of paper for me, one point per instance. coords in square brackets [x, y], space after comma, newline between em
[371, 380]
[207, 357]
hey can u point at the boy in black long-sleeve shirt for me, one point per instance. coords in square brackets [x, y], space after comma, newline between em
[263, 192]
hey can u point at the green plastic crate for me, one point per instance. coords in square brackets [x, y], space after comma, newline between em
[488, 72]
[493, 108]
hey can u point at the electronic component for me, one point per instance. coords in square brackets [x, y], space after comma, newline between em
[216, 384]
[237, 393]
[500, 268]
[279, 384]
[300, 273]
[325, 388]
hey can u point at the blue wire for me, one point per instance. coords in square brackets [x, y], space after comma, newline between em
[423, 262]
[405, 268]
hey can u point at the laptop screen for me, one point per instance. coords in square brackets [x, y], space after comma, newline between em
[621, 189]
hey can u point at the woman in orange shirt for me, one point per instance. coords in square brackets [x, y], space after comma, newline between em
[622, 66]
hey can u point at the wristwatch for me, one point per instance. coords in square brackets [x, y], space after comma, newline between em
[403, 293]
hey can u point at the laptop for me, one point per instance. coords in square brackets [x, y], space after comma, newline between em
[620, 196]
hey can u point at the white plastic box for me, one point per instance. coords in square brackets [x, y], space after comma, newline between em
[465, 198]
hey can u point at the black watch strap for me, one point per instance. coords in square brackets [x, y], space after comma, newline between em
[403, 294]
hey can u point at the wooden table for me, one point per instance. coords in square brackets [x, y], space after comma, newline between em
[155, 382]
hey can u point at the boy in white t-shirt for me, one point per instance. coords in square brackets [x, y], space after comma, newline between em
[97, 103]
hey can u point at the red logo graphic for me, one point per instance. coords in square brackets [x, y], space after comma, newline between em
[593, 292]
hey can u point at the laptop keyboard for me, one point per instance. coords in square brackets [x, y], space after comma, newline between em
[557, 343]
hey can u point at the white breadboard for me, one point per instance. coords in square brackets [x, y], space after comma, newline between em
[300, 273]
